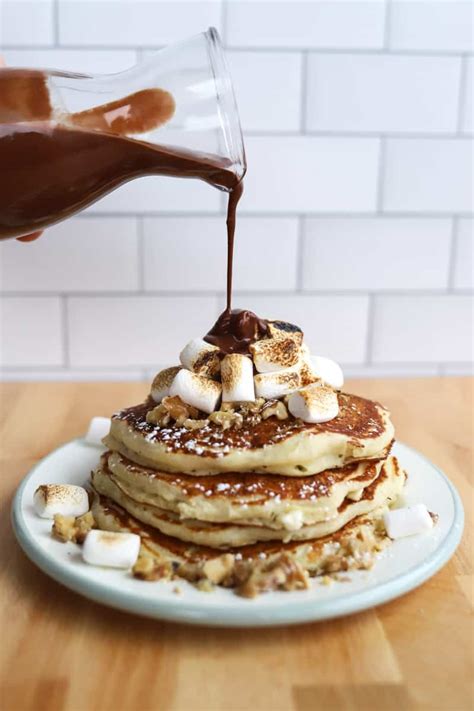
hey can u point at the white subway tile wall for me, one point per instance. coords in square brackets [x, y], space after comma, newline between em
[133, 23]
[422, 328]
[26, 22]
[205, 250]
[428, 175]
[31, 331]
[299, 24]
[431, 25]
[385, 253]
[391, 93]
[272, 79]
[463, 253]
[301, 174]
[467, 115]
[78, 255]
[135, 331]
[357, 216]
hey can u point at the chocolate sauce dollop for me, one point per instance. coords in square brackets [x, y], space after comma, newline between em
[235, 330]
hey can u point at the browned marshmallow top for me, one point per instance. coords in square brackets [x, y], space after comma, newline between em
[282, 352]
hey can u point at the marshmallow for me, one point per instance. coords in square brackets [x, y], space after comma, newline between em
[196, 390]
[237, 379]
[98, 428]
[64, 499]
[274, 354]
[201, 358]
[314, 403]
[407, 521]
[111, 549]
[328, 370]
[283, 329]
[308, 375]
[275, 385]
[161, 384]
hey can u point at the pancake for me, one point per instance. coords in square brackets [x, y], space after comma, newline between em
[253, 499]
[383, 490]
[291, 447]
[354, 546]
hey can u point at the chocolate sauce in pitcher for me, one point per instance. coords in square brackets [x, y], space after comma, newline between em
[54, 166]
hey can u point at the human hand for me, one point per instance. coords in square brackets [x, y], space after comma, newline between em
[33, 235]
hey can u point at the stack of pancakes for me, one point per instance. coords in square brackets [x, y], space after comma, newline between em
[301, 494]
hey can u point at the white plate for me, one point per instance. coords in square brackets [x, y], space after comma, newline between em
[403, 566]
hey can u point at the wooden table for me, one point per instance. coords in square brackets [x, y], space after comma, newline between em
[60, 651]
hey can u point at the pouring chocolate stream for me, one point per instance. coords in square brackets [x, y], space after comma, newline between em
[55, 164]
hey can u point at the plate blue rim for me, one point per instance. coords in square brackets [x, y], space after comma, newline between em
[179, 610]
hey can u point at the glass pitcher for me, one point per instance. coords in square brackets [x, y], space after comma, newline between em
[67, 139]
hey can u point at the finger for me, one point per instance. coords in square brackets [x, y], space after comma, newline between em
[30, 238]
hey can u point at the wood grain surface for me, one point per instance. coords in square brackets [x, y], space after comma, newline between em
[59, 651]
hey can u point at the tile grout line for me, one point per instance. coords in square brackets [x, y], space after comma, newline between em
[138, 375]
[461, 95]
[360, 134]
[387, 25]
[252, 48]
[256, 214]
[369, 341]
[222, 205]
[301, 237]
[453, 255]
[55, 19]
[84, 369]
[381, 176]
[127, 214]
[194, 293]
[64, 304]
[141, 254]
[63, 370]
[224, 21]
[304, 90]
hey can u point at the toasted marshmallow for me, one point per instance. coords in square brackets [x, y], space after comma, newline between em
[161, 384]
[99, 427]
[196, 390]
[308, 374]
[64, 499]
[274, 354]
[275, 385]
[407, 521]
[283, 329]
[237, 378]
[314, 403]
[201, 358]
[328, 370]
[111, 549]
